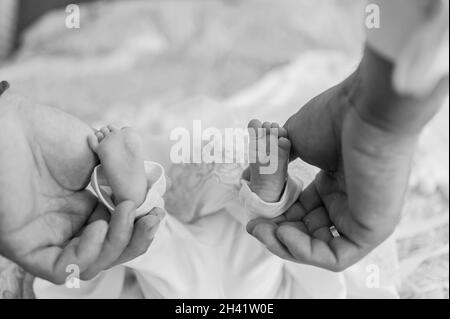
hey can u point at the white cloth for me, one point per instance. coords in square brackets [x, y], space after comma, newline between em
[256, 207]
[414, 34]
[154, 198]
[212, 256]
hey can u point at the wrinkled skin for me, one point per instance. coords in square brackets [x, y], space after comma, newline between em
[47, 218]
[362, 136]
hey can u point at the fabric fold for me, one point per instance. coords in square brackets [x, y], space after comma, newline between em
[259, 208]
[157, 187]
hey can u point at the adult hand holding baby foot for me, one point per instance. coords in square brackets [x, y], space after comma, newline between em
[48, 220]
[362, 135]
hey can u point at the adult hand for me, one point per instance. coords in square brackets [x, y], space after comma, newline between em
[362, 135]
[47, 219]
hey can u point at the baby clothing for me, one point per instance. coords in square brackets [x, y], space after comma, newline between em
[154, 198]
[212, 256]
[256, 207]
[183, 259]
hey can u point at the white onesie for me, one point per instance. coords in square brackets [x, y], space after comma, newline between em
[209, 254]
[170, 232]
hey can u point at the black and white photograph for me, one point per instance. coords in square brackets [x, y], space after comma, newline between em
[209, 151]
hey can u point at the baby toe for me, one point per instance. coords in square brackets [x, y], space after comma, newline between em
[105, 130]
[113, 128]
[282, 132]
[254, 127]
[284, 144]
[93, 142]
[100, 136]
[275, 125]
[267, 126]
[255, 124]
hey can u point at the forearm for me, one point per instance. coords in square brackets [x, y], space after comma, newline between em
[376, 101]
[379, 138]
[364, 130]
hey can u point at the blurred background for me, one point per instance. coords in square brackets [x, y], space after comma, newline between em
[151, 63]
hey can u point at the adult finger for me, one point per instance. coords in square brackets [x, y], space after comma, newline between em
[323, 233]
[296, 212]
[336, 255]
[310, 199]
[265, 232]
[299, 225]
[117, 239]
[145, 229]
[81, 252]
[316, 219]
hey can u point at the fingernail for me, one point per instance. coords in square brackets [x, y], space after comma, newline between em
[249, 228]
[3, 86]
[254, 232]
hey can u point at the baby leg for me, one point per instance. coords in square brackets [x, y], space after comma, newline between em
[269, 187]
[121, 156]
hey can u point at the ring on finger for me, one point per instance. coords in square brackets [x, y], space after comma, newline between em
[334, 232]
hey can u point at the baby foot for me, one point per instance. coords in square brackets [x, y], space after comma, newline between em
[120, 153]
[269, 187]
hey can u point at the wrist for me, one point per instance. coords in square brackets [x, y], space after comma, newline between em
[374, 98]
